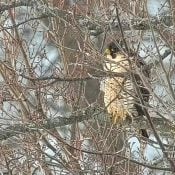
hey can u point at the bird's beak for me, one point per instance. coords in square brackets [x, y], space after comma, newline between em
[107, 52]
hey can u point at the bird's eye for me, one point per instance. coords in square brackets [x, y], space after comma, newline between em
[113, 50]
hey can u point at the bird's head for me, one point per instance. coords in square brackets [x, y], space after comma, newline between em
[112, 49]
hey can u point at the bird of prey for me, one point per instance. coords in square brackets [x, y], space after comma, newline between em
[121, 92]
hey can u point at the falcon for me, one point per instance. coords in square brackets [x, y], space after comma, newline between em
[121, 92]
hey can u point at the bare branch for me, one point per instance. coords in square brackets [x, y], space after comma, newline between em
[4, 7]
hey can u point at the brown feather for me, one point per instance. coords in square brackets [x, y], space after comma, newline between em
[120, 96]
